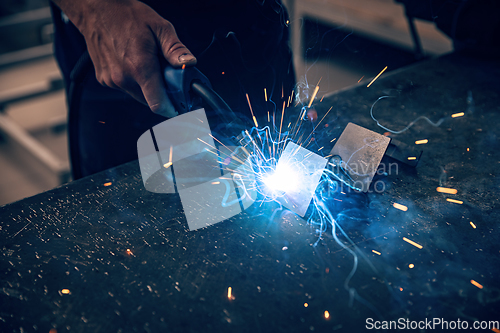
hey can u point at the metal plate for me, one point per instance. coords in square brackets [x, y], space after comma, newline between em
[359, 152]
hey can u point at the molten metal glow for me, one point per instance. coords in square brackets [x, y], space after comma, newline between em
[283, 179]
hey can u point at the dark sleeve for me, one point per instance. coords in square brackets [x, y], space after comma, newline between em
[472, 24]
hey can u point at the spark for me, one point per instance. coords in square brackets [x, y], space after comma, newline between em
[215, 183]
[281, 123]
[207, 143]
[251, 110]
[412, 158]
[472, 224]
[167, 165]
[314, 129]
[400, 289]
[102, 122]
[313, 96]
[467, 149]
[321, 100]
[412, 243]
[183, 66]
[361, 79]
[376, 77]
[411, 265]
[265, 94]
[454, 201]
[108, 184]
[321, 148]
[333, 139]
[65, 292]
[327, 314]
[230, 293]
[400, 207]
[376, 252]
[129, 252]
[477, 284]
[456, 115]
[245, 150]
[421, 142]
[306, 305]
[446, 190]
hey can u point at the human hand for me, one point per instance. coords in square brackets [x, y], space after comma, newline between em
[126, 40]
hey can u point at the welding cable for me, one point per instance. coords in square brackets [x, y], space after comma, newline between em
[215, 102]
[77, 77]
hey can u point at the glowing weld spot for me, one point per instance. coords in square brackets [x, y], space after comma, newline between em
[327, 314]
[283, 179]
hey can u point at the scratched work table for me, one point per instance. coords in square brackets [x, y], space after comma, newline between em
[102, 254]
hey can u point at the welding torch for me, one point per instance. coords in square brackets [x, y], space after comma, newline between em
[188, 89]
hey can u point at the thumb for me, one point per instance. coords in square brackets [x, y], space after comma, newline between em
[176, 53]
[154, 92]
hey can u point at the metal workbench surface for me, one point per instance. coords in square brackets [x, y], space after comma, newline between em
[102, 254]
